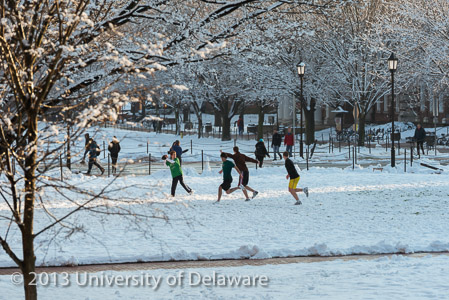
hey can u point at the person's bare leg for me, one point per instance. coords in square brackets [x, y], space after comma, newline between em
[293, 192]
[249, 189]
[232, 190]
[245, 193]
[219, 193]
[298, 190]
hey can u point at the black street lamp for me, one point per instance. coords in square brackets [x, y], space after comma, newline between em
[392, 66]
[301, 69]
[277, 114]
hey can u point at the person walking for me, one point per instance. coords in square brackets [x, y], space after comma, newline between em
[86, 147]
[294, 179]
[240, 161]
[420, 136]
[227, 176]
[276, 144]
[177, 148]
[176, 172]
[289, 141]
[240, 125]
[114, 149]
[154, 123]
[94, 151]
[261, 152]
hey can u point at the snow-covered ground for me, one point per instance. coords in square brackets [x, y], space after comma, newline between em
[397, 277]
[348, 212]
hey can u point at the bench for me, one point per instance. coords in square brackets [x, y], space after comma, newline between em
[378, 169]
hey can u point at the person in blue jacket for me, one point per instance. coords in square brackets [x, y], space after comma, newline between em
[94, 151]
[177, 148]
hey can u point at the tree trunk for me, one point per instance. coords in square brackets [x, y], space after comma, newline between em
[200, 125]
[199, 116]
[217, 118]
[29, 258]
[177, 120]
[361, 130]
[69, 158]
[144, 109]
[260, 123]
[309, 115]
[185, 114]
[226, 134]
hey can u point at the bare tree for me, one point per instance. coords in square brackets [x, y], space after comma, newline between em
[349, 45]
[72, 56]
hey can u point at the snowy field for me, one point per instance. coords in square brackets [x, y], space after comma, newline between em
[349, 211]
[397, 277]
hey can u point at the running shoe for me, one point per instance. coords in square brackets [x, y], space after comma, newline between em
[306, 191]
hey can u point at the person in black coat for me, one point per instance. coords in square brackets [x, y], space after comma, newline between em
[420, 136]
[86, 147]
[261, 152]
[276, 144]
[114, 149]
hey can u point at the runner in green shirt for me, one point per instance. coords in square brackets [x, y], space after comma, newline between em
[176, 172]
[227, 177]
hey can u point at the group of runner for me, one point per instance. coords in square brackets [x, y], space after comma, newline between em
[239, 164]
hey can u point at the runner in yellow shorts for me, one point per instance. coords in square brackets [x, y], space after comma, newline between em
[293, 183]
[294, 179]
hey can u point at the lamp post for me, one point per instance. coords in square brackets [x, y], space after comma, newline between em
[277, 114]
[392, 66]
[435, 112]
[301, 67]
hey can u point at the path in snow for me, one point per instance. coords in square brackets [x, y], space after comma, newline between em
[226, 263]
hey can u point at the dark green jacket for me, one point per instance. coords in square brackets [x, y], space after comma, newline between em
[227, 168]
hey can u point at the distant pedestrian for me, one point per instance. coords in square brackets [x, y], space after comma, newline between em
[261, 152]
[227, 176]
[276, 144]
[240, 125]
[294, 179]
[240, 161]
[86, 147]
[94, 151]
[289, 141]
[177, 148]
[176, 173]
[420, 136]
[154, 123]
[114, 149]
